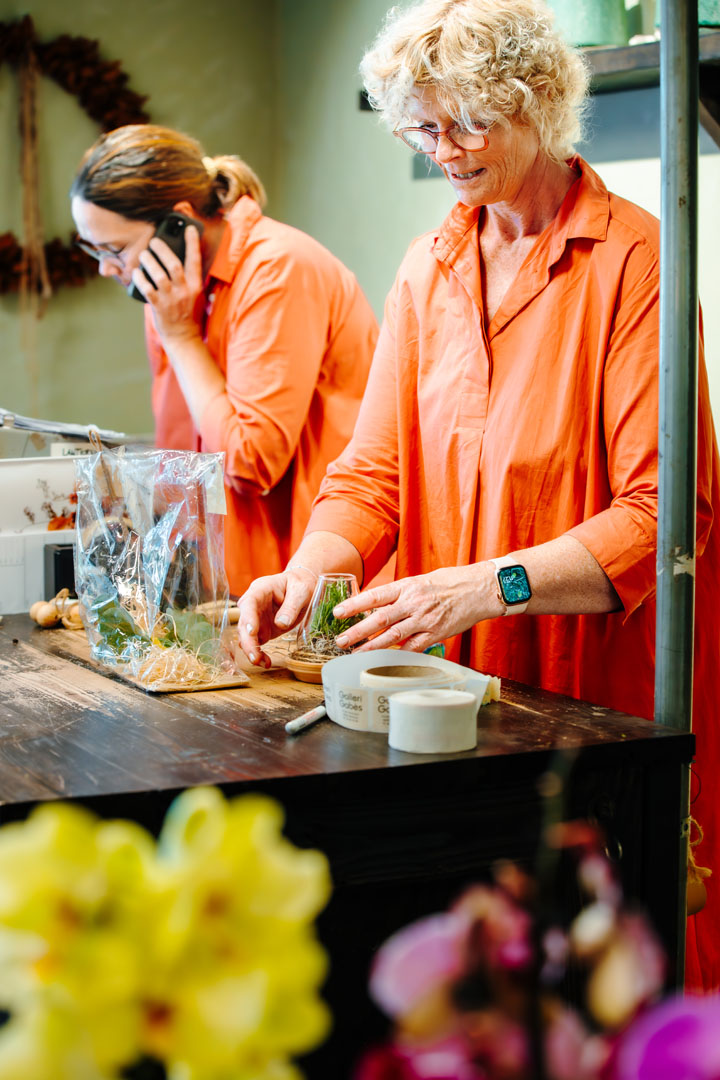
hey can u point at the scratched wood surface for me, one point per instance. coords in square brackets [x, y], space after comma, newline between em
[69, 729]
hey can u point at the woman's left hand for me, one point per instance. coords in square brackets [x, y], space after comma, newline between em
[174, 295]
[418, 612]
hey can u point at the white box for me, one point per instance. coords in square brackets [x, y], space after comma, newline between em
[33, 491]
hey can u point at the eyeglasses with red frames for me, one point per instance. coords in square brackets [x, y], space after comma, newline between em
[425, 140]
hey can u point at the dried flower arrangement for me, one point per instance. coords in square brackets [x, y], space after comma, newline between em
[101, 88]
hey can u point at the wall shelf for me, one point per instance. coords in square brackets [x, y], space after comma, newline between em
[631, 67]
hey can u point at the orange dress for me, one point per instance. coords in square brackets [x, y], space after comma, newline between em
[472, 443]
[293, 334]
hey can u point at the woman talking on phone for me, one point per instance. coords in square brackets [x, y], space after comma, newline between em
[259, 339]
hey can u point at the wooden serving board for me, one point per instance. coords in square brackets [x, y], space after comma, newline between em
[77, 644]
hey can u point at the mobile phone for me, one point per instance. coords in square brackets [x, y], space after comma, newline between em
[172, 230]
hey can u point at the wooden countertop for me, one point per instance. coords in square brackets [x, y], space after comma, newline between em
[67, 730]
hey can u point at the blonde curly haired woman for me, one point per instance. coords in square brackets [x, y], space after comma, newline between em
[507, 441]
[260, 344]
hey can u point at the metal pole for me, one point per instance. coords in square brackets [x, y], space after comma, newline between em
[679, 88]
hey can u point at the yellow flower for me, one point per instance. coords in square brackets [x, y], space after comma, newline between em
[66, 922]
[238, 968]
[55, 1044]
[199, 950]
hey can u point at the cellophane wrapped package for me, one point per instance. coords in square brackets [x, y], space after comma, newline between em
[149, 564]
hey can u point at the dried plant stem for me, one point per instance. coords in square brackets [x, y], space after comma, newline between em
[35, 288]
[172, 665]
[34, 275]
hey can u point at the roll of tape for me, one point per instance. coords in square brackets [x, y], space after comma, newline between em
[392, 677]
[358, 686]
[437, 721]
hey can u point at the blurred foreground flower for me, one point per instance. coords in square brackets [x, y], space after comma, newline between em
[198, 951]
[476, 993]
[677, 1040]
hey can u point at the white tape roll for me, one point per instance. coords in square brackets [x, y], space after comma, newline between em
[406, 676]
[358, 686]
[433, 721]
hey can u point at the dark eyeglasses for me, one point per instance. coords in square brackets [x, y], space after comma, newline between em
[100, 253]
[425, 140]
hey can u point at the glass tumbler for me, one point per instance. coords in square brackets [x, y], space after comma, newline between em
[319, 628]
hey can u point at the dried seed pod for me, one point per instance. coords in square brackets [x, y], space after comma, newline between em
[62, 600]
[71, 619]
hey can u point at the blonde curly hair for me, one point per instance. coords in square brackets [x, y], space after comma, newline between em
[492, 61]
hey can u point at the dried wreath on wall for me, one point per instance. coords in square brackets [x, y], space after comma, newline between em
[34, 267]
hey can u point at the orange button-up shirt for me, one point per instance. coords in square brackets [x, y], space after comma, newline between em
[474, 442]
[293, 335]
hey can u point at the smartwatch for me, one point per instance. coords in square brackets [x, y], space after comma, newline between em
[514, 590]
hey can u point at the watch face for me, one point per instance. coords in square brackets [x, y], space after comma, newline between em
[514, 584]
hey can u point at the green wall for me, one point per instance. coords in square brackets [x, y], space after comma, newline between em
[342, 176]
[208, 69]
[277, 82]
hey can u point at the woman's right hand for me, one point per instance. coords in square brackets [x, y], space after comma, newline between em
[271, 606]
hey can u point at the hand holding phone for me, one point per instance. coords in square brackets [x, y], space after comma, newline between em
[172, 230]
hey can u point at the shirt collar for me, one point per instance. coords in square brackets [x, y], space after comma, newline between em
[585, 212]
[239, 220]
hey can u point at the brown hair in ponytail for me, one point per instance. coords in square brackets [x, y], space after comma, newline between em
[140, 171]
